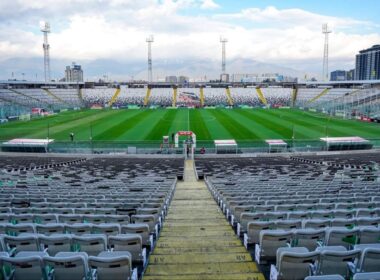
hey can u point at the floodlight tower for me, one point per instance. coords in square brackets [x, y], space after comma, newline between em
[325, 70]
[45, 29]
[223, 41]
[150, 40]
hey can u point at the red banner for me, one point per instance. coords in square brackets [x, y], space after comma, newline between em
[185, 133]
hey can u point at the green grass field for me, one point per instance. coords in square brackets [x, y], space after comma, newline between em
[207, 124]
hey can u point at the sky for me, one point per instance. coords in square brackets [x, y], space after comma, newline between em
[280, 32]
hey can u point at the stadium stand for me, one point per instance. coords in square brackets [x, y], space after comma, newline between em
[133, 96]
[79, 216]
[128, 96]
[346, 102]
[21, 100]
[161, 97]
[299, 217]
[68, 96]
[244, 96]
[98, 96]
[215, 96]
[312, 97]
[277, 96]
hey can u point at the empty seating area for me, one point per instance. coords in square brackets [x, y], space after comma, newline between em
[277, 96]
[358, 102]
[11, 109]
[128, 96]
[301, 218]
[350, 160]
[245, 96]
[13, 97]
[25, 163]
[76, 218]
[344, 102]
[164, 96]
[215, 96]
[161, 97]
[132, 96]
[70, 96]
[97, 96]
[52, 98]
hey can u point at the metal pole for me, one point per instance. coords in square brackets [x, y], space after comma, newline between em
[293, 138]
[92, 146]
[48, 136]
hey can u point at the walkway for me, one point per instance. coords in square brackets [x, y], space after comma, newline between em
[196, 241]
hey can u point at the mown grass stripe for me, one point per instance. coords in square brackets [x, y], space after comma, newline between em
[116, 131]
[266, 129]
[332, 126]
[163, 127]
[238, 131]
[151, 125]
[142, 128]
[214, 126]
[287, 126]
[80, 127]
[198, 125]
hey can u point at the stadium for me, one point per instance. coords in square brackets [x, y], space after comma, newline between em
[203, 181]
[263, 170]
[141, 115]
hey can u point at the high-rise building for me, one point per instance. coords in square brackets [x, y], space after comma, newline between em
[224, 78]
[367, 66]
[183, 79]
[338, 75]
[350, 75]
[171, 79]
[74, 73]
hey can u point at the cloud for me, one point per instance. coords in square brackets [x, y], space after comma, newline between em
[117, 30]
[209, 4]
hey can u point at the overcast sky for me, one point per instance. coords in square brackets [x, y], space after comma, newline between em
[287, 33]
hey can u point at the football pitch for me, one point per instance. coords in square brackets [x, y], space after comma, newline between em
[208, 124]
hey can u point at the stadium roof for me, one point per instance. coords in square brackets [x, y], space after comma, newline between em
[334, 83]
[22, 82]
[192, 84]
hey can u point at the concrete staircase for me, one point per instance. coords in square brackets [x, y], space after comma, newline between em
[196, 241]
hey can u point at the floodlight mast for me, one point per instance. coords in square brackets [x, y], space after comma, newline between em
[223, 41]
[45, 29]
[325, 70]
[150, 40]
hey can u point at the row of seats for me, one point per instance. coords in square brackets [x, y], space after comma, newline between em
[68, 265]
[11, 164]
[277, 202]
[91, 244]
[281, 221]
[98, 206]
[146, 230]
[269, 240]
[299, 262]
[243, 214]
[148, 214]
